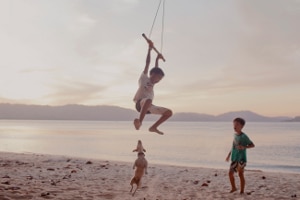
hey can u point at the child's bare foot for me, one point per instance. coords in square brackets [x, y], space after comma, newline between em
[233, 190]
[137, 124]
[155, 130]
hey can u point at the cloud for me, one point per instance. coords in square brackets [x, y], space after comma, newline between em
[270, 45]
[92, 52]
[257, 52]
[274, 28]
[74, 92]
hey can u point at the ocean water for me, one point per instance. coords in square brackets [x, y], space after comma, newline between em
[195, 144]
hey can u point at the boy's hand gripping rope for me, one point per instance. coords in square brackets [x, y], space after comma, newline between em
[162, 57]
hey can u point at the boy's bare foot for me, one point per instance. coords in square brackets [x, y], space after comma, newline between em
[137, 124]
[233, 190]
[155, 130]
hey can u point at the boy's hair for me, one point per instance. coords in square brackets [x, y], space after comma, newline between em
[157, 70]
[240, 121]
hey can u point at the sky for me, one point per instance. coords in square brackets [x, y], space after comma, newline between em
[221, 56]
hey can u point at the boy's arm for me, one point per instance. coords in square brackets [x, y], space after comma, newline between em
[249, 146]
[159, 56]
[228, 156]
[148, 58]
[240, 147]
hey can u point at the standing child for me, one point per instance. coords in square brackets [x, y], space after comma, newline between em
[241, 142]
[145, 94]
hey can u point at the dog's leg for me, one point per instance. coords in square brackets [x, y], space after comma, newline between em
[134, 190]
[131, 188]
[131, 183]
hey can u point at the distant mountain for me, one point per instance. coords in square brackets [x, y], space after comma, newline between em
[229, 116]
[67, 112]
[185, 116]
[296, 119]
[115, 113]
[250, 116]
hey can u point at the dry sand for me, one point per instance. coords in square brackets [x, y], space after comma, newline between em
[32, 176]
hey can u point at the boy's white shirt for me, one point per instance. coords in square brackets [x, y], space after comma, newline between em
[145, 89]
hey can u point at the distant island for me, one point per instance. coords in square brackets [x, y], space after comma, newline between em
[115, 113]
[296, 119]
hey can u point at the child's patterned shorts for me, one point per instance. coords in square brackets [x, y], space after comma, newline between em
[152, 109]
[237, 166]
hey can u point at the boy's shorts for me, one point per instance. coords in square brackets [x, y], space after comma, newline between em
[152, 109]
[237, 166]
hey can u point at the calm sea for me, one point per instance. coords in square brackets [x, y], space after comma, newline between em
[197, 144]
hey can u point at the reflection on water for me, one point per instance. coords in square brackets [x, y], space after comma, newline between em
[203, 144]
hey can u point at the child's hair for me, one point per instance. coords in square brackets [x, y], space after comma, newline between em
[157, 70]
[240, 120]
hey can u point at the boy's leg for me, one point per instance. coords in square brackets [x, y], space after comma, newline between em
[232, 182]
[242, 180]
[144, 109]
[166, 115]
[232, 169]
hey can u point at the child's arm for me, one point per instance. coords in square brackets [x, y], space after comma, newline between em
[144, 150]
[240, 147]
[134, 150]
[148, 59]
[250, 146]
[159, 56]
[228, 156]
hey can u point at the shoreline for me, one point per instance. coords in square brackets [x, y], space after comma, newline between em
[248, 167]
[38, 176]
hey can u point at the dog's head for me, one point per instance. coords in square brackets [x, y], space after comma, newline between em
[141, 154]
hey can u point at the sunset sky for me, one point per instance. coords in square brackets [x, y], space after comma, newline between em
[221, 56]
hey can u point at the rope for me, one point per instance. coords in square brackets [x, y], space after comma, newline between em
[163, 23]
[162, 28]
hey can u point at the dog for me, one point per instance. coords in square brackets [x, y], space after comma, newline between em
[141, 165]
[139, 148]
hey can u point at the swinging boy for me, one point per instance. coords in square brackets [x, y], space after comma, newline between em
[144, 96]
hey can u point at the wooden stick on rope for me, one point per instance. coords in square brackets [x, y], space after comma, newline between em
[154, 47]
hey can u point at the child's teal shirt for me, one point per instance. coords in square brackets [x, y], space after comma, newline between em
[236, 154]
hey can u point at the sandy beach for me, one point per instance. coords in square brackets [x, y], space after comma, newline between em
[33, 176]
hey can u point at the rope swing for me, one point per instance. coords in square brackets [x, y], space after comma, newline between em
[162, 28]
